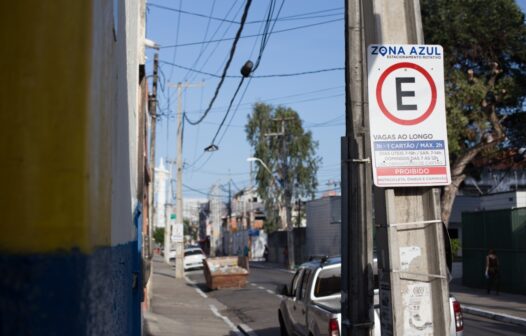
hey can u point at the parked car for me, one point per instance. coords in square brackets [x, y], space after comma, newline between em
[193, 258]
[311, 304]
[171, 255]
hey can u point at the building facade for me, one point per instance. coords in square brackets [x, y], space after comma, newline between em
[70, 128]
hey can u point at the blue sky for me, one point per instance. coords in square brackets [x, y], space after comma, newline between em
[318, 98]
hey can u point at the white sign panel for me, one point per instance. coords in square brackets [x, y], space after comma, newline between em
[178, 233]
[407, 115]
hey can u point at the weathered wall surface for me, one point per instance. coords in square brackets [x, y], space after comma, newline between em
[324, 226]
[68, 125]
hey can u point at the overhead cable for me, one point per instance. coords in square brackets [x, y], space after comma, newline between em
[248, 36]
[293, 74]
[204, 47]
[285, 18]
[228, 110]
[249, 67]
[227, 65]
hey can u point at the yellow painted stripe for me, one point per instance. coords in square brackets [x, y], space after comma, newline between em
[44, 99]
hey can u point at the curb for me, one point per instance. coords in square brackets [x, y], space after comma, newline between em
[246, 330]
[494, 316]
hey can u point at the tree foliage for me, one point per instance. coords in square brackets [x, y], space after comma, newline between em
[291, 157]
[158, 236]
[189, 229]
[476, 34]
[484, 45]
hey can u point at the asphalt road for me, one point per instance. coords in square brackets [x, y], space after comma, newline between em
[255, 306]
[479, 326]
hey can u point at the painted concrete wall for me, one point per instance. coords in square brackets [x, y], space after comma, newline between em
[324, 226]
[69, 253]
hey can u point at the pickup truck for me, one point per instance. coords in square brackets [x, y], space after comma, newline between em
[310, 305]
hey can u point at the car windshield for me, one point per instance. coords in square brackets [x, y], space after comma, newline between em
[328, 282]
[192, 252]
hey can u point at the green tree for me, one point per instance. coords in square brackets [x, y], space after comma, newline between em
[158, 236]
[189, 229]
[484, 45]
[277, 137]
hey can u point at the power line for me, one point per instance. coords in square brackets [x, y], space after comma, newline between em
[228, 110]
[227, 65]
[293, 74]
[235, 111]
[254, 35]
[202, 192]
[205, 46]
[267, 32]
[203, 49]
[285, 18]
[176, 36]
[288, 96]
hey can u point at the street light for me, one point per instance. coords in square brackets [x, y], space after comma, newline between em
[252, 159]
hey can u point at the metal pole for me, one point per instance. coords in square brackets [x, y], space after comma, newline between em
[357, 242]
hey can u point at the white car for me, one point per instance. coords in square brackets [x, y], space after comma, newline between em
[193, 258]
[171, 255]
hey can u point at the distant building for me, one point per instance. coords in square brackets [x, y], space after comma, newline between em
[191, 207]
[162, 178]
[247, 210]
[218, 212]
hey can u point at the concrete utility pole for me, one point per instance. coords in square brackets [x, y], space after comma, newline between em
[412, 269]
[179, 249]
[152, 108]
[357, 239]
[414, 291]
[286, 211]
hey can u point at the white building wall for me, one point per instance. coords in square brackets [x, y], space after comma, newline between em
[191, 208]
[216, 213]
[128, 55]
[521, 199]
[162, 177]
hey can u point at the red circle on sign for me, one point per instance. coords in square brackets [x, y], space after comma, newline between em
[385, 111]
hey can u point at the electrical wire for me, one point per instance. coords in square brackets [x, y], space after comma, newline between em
[267, 32]
[176, 36]
[202, 192]
[228, 110]
[254, 35]
[286, 18]
[188, 73]
[204, 46]
[293, 74]
[227, 65]
[293, 95]
[235, 111]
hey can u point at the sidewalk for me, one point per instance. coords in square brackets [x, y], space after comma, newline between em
[505, 307]
[179, 308]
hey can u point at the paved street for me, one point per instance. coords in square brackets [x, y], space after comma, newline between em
[255, 307]
[480, 326]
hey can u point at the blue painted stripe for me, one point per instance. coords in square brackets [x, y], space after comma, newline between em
[409, 145]
[71, 293]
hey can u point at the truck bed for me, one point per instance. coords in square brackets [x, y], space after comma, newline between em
[332, 305]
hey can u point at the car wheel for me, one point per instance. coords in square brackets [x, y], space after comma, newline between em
[282, 327]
